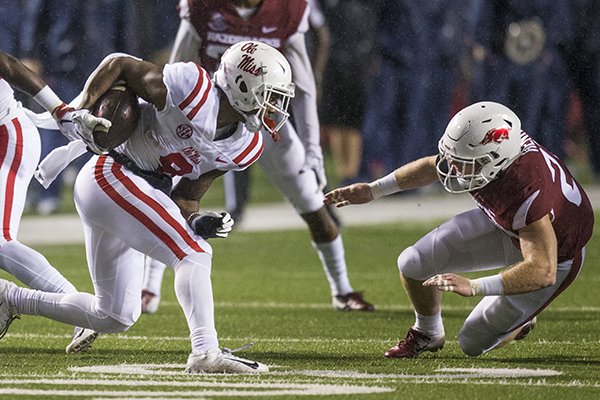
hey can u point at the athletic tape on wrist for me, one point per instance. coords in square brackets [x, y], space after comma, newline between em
[487, 286]
[48, 99]
[384, 186]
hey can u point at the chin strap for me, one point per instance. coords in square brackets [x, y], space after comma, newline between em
[252, 122]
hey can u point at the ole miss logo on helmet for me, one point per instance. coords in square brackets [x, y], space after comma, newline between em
[495, 135]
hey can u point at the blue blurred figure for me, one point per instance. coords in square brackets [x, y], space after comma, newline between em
[420, 46]
[516, 49]
[11, 15]
[51, 35]
[583, 59]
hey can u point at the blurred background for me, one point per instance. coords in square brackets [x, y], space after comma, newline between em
[390, 73]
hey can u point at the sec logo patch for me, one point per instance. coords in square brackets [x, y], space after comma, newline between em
[184, 131]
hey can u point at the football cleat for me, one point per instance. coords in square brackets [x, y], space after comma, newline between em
[7, 316]
[414, 344]
[526, 329]
[82, 340]
[352, 301]
[150, 302]
[222, 361]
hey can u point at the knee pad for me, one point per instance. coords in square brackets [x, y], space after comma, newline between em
[468, 342]
[111, 325]
[409, 264]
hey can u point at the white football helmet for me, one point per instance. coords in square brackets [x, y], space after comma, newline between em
[256, 76]
[480, 141]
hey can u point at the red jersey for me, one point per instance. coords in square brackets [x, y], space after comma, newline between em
[219, 25]
[534, 185]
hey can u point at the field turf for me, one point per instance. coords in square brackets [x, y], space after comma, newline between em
[270, 289]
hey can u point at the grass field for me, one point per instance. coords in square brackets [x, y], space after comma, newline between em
[270, 289]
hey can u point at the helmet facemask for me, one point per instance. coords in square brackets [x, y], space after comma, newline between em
[460, 175]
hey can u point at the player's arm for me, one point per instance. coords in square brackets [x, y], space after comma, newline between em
[19, 76]
[187, 41]
[143, 77]
[188, 193]
[416, 174]
[537, 270]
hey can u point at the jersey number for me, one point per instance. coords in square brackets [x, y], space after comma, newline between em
[175, 164]
[569, 190]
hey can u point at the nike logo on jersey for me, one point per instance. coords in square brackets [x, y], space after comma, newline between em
[219, 159]
[253, 365]
[269, 29]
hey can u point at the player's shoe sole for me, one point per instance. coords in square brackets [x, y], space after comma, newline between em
[221, 361]
[82, 340]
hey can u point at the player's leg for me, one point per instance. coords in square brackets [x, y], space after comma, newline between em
[282, 163]
[498, 319]
[467, 242]
[236, 185]
[153, 276]
[20, 146]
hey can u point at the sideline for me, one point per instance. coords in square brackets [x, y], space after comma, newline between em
[421, 208]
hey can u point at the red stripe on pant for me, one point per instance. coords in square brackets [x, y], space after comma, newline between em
[140, 215]
[12, 172]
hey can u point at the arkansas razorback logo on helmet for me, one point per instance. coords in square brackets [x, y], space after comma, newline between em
[495, 135]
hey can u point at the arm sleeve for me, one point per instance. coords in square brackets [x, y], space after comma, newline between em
[304, 104]
[187, 43]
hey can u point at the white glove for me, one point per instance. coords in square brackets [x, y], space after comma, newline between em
[210, 224]
[315, 164]
[80, 124]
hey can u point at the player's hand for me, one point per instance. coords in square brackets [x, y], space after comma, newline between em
[451, 283]
[210, 224]
[357, 193]
[313, 163]
[80, 124]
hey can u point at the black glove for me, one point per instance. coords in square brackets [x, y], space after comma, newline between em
[210, 224]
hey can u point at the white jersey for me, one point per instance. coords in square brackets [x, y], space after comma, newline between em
[6, 98]
[179, 140]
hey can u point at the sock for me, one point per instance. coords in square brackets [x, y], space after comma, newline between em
[430, 325]
[153, 275]
[194, 293]
[333, 260]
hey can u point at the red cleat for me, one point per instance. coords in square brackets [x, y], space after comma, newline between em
[353, 301]
[414, 344]
[526, 329]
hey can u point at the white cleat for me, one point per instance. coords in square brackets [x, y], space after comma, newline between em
[7, 316]
[82, 340]
[222, 361]
[150, 302]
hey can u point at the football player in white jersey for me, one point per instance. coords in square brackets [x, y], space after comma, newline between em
[295, 163]
[19, 155]
[192, 128]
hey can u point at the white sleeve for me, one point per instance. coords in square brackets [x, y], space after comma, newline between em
[187, 43]
[316, 18]
[304, 104]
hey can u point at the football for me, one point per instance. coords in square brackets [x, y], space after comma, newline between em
[120, 106]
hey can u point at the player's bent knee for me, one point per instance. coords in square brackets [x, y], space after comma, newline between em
[409, 264]
[469, 345]
[111, 325]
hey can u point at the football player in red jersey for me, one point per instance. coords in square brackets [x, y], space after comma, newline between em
[532, 218]
[295, 162]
